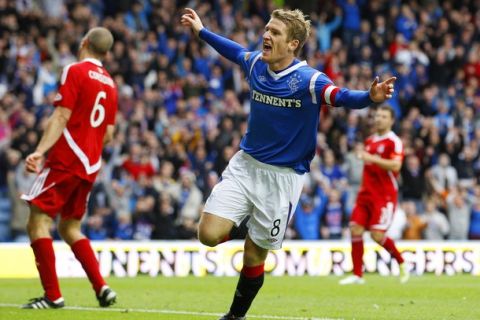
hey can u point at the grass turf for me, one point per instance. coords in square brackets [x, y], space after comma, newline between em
[425, 297]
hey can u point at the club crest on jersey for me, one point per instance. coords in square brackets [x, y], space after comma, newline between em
[293, 83]
[262, 79]
[380, 148]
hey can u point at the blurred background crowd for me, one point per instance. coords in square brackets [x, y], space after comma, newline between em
[183, 110]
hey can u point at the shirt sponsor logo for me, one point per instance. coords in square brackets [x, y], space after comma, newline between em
[100, 77]
[275, 101]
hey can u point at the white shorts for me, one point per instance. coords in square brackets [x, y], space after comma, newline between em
[269, 194]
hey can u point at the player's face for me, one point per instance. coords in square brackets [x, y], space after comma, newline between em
[383, 121]
[276, 47]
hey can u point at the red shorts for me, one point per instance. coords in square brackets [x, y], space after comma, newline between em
[56, 191]
[373, 213]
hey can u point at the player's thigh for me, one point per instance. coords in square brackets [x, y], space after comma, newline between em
[213, 228]
[76, 204]
[50, 191]
[228, 200]
[275, 198]
[382, 215]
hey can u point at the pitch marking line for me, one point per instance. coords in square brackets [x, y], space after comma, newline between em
[179, 312]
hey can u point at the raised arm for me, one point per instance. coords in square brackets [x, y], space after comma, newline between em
[226, 47]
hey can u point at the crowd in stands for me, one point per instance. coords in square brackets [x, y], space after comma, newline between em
[183, 110]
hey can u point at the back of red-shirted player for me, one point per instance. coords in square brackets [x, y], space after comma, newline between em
[87, 89]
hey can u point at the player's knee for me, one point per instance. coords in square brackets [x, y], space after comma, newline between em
[356, 230]
[31, 226]
[378, 237]
[63, 232]
[207, 238]
[37, 229]
[69, 234]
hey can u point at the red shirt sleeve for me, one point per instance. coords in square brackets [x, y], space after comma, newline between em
[396, 152]
[68, 91]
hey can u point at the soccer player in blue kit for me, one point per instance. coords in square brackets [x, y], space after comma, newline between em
[265, 178]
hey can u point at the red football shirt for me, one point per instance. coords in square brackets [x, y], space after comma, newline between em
[378, 182]
[87, 89]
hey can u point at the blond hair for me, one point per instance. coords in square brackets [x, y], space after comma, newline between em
[298, 28]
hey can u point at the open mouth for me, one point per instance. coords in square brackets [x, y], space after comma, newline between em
[267, 48]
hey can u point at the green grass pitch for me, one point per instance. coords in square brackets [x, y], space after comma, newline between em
[425, 297]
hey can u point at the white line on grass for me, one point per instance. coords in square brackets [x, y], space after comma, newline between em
[181, 312]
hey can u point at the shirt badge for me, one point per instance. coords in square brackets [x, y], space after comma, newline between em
[293, 82]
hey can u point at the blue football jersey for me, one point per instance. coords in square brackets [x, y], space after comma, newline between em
[284, 112]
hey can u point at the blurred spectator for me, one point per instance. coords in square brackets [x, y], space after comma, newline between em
[307, 217]
[190, 204]
[437, 224]
[124, 230]
[459, 207]
[165, 227]
[412, 176]
[415, 223]
[444, 176]
[19, 182]
[353, 172]
[138, 162]
[334, 217]
[474, 230]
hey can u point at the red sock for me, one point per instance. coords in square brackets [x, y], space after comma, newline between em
[253, 272]
[389, 245]
[357, 255]
[45, 261]
[84, 253]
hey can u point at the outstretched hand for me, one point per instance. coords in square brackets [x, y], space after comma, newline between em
[379, 92]
[192, 20]
[33, 162]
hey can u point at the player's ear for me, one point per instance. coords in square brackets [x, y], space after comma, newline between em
[84, 43]
[293, 45]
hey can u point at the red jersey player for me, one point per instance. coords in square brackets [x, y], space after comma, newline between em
[377, 198]
[83, 121]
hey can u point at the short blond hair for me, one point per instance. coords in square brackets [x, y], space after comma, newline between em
[298, 27]
[100, 41]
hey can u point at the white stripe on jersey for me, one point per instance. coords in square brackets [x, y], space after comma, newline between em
[65, 72]
[313, 79]
[253, 63]
[397, 142]
[394, 181]
[328, 93]
[80, 154]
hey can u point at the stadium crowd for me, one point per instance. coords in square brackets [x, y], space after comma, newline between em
[183, 110]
